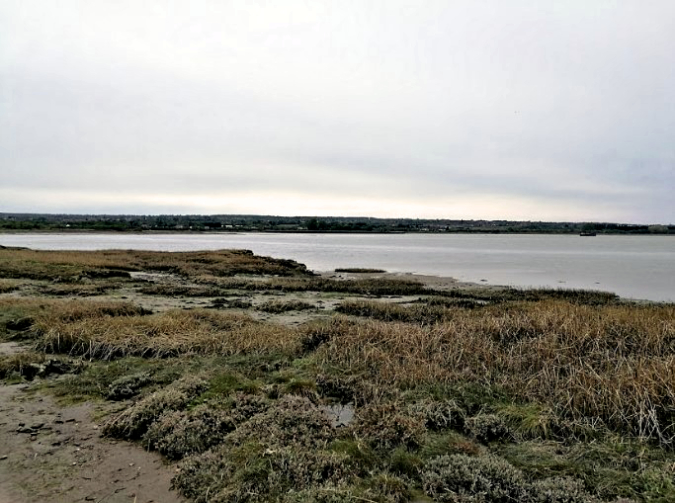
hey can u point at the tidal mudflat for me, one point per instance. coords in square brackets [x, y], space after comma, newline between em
[222, 376]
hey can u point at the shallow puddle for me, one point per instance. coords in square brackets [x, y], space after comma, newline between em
[339, 415]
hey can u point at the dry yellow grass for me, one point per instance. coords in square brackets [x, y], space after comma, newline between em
[47, 311]
[166, 334]
[615, 363]
[67, 265]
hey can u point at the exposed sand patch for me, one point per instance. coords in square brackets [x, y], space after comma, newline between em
[54, 454]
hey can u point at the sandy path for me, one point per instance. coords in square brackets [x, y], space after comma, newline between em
[53, 454]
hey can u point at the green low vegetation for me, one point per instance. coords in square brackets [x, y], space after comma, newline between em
[403, 393]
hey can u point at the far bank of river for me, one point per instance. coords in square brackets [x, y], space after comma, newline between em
[641, 267]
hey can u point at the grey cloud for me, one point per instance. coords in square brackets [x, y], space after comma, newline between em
[558, 105]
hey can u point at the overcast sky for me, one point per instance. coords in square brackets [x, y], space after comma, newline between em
[532, 110]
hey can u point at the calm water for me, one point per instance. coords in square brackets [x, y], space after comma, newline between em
[641, 267]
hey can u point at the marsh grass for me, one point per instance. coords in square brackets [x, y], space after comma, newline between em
[385, 311]
[78, 289]
[165, 334]
[9, 285]
[612, 363]
[616, 468]
[512, 294]
[72, 265]
[389, 425]
[474, 395]
[360, 286]
[32, 317]
[172, 290]
[20, 365]
[119, 380]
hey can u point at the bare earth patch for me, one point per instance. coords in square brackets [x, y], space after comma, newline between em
[54, 454]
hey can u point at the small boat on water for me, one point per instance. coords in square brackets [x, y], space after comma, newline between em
[587, 233]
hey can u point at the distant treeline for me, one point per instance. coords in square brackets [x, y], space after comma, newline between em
[261, 223]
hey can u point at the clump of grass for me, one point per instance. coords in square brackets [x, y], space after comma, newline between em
[359, 454]
[344, 390]
[317, 333]
[48, 311]
[173, 290]
[405, 463]
[439, 415]
[31, 317]
[488, 428]
[497, 295]
[133, 422]
[528, 421]
[351, 389]
[450, 303]
[77, 289]
[73, 265]
[281, 306]
[128, 386]
[178, 434]
[389, 488]
[9, 285]
[236, 303]
[388, 425]
[24, 364]
[385, 311]
[449, 442]
[165, 334]
[223, 383]
[360, 286]
[301, 387]
[121, 379]
[19, 324]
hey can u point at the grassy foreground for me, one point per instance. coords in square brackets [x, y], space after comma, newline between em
[263, 382]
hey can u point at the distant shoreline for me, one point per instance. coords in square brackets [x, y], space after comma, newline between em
[30, 222]
[254, 231]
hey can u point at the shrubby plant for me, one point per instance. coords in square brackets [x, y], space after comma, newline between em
[473, 479]
[488, 428]
[133, 422]
[389, 425]
[182, 433]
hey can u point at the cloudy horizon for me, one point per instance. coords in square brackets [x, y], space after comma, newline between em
[558, 111]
